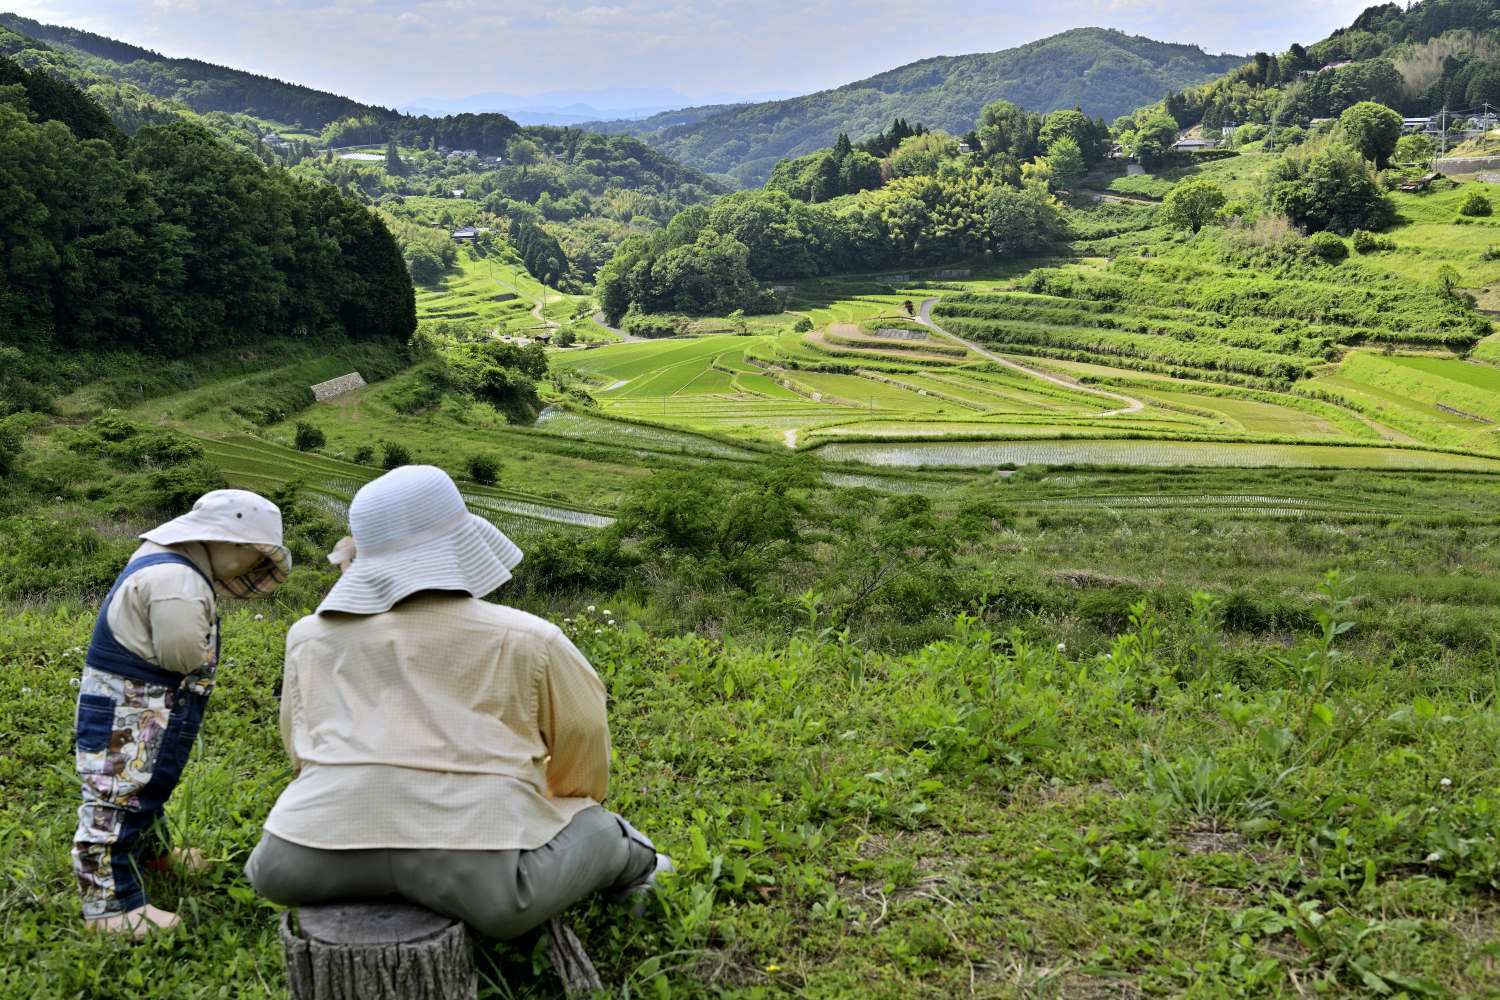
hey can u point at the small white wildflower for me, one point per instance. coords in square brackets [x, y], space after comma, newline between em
[567, 621]
[1062, 647]
[1446, 782]
[260, 618]
[26, 690]
[74, 682]
[607, 613]
[598, 631]
[591, 609]
[1434, 857]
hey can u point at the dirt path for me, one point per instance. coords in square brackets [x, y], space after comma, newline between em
[1132, 405]
[550, 324]
[1126, 198]
[602, 320]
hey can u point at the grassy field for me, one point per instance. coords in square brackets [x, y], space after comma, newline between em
[1093, 784]
[1122, 737]
[498, 292]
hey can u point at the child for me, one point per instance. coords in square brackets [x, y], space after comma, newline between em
[146, 679]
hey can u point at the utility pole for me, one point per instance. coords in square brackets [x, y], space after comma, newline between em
[1442, 136]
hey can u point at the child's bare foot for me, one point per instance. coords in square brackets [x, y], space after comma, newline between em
[137, 923]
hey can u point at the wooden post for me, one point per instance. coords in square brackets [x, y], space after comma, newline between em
[377, 951]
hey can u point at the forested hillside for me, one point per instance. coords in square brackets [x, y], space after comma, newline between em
[1421, 60]
[906, 197]
[201, 86]
[591, 191]
[1106, 73]
[168, 242]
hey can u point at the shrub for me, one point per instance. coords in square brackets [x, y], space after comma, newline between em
[1193, 204]
[308, 437]
[173, 489]
[1367, 242]
[394, 454]
[12, 440]
[803, 325]
[1475, 204]
[564, 337]
[652, 326]
[364, 455]
[1328, 247]
[484, 470]
[44, 556]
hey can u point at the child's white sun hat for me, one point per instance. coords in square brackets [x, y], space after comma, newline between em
[412, 532]
[240, 517]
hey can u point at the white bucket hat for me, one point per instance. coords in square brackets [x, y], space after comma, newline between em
[243, 518]
[412, 532]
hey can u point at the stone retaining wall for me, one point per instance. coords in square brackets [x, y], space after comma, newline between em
[336, 387]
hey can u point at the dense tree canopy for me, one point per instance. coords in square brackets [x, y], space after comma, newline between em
[1331, 188]
[1193, 204]
[714, 258]
[172, 242]
[1373, 129]
[828, 173]
[1418, 59]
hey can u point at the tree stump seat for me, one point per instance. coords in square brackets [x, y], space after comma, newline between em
[390, 950]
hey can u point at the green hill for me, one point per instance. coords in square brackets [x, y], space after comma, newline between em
[200, 85]
[1421, 60]
[1106, 73]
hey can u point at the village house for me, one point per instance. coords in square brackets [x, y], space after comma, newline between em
[1410, 125]
[1192, 145]
[468, 234]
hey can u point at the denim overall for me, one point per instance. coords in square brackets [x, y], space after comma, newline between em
[136, 726]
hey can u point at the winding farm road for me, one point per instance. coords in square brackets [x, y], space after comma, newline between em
[1132, 405]
[602, 320]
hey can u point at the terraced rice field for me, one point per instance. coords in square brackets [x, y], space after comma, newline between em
[1442, 401]
[984, 454]
[256, 464]
[474, 290]
[759, 387]
[1196, 318]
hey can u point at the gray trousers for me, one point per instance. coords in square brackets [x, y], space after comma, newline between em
[501, 894]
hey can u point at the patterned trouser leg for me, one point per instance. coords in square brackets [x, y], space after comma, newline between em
[132, 741]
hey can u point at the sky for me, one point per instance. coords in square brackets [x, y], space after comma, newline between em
[401, 52]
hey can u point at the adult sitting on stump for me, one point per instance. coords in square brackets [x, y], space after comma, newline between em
[448, 751]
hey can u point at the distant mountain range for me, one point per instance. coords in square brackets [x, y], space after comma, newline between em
[1107, 73]
[576, 107]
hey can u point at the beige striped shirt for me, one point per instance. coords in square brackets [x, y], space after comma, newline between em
[446, 722]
